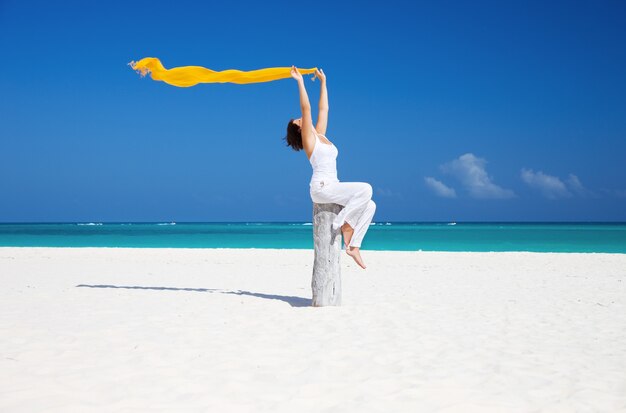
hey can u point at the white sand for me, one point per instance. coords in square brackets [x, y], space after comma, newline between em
[219, 330]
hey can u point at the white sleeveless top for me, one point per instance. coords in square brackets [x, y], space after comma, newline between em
[324, 161]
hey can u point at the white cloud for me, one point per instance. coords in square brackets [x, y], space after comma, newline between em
[470, 171]
[440, 188]
[550, 186]
[386, 192]
[577, 187]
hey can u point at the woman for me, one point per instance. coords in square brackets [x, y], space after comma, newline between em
[356, 197]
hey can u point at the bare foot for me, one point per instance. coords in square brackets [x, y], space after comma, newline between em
[347, 232]
[356, 255]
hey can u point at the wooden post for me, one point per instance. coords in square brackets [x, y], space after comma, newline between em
[326, 283]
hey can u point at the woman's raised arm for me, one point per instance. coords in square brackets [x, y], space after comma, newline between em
[305, 106]
[322, 116]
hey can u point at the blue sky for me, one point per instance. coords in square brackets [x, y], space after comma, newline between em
[466, 111]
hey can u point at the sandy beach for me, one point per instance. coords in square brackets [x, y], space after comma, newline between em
[227, 330]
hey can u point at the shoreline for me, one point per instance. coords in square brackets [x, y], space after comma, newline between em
[525, 237]
[363, 251]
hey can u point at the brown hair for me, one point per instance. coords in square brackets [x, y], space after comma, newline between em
[294, 136]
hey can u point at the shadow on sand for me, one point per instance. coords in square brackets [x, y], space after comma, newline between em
[291, 300]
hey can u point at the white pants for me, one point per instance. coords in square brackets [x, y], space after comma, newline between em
[356, 198]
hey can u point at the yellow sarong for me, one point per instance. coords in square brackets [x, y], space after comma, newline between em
[186, 76]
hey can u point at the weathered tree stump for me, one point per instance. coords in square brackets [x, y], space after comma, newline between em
[326, 283]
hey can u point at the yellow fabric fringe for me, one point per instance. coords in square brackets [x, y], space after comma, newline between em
[186, 76]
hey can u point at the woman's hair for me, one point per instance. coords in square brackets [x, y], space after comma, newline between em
[294, 136]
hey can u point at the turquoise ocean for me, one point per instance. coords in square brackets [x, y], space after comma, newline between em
[398, 236]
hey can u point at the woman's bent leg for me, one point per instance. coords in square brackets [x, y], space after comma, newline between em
[363, 224]
[358, 194]
[355, 197]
